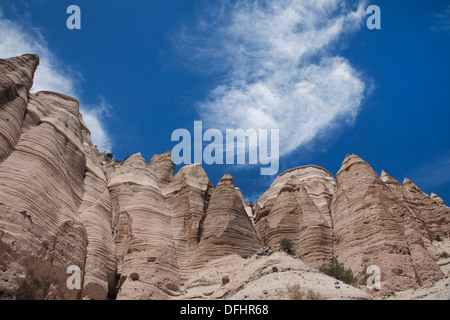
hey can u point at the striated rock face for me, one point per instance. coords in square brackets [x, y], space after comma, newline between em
[416, 236]
[372, 227]
[319, 183]
[16, 79]
[435, 215]
[226, 228]
[188, 197]
[437, 199]
[136, 231]
[49, 221]
[248, 208]
[164, 168]
[360, 218]
[146, 255]
[296, 207]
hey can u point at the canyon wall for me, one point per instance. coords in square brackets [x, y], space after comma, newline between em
[137, 231]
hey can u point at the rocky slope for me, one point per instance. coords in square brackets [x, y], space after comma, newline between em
[136, 231]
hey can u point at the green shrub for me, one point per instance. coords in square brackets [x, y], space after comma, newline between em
[338, 271]
[287, 245]
[444, 255]
[109, 156]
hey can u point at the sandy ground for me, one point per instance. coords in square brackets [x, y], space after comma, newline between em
[274, 277]
[275, 286]
[439, 291]
[264, 278]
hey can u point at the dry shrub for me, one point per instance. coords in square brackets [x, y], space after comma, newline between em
[295, 292]
[312, 295]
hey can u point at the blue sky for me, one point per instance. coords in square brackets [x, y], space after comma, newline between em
[142, 69]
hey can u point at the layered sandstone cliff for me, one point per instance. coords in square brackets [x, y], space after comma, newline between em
[372, 227]
[55, 209]
[297, 207]
[137, 231]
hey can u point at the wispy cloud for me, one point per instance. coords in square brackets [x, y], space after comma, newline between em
[51, 75]
[433, 173]
[442, 20]
[278, 66]
[94, 117]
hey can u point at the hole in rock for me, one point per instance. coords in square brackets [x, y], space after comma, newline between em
[134, 276]
[172, 287]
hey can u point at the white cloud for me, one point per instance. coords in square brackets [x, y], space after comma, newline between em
[442, 20]
[15, 40]
[278, 66]
[93, 117]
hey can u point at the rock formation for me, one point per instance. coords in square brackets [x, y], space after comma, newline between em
[146, 254]
[248, 207]
[416, 236]
[16, 79]
[226, 228]
[297, 207]
[48, 220]
[435, 215]
[137, 231]
[371, 227]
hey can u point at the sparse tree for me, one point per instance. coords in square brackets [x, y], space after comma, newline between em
[338, 271]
